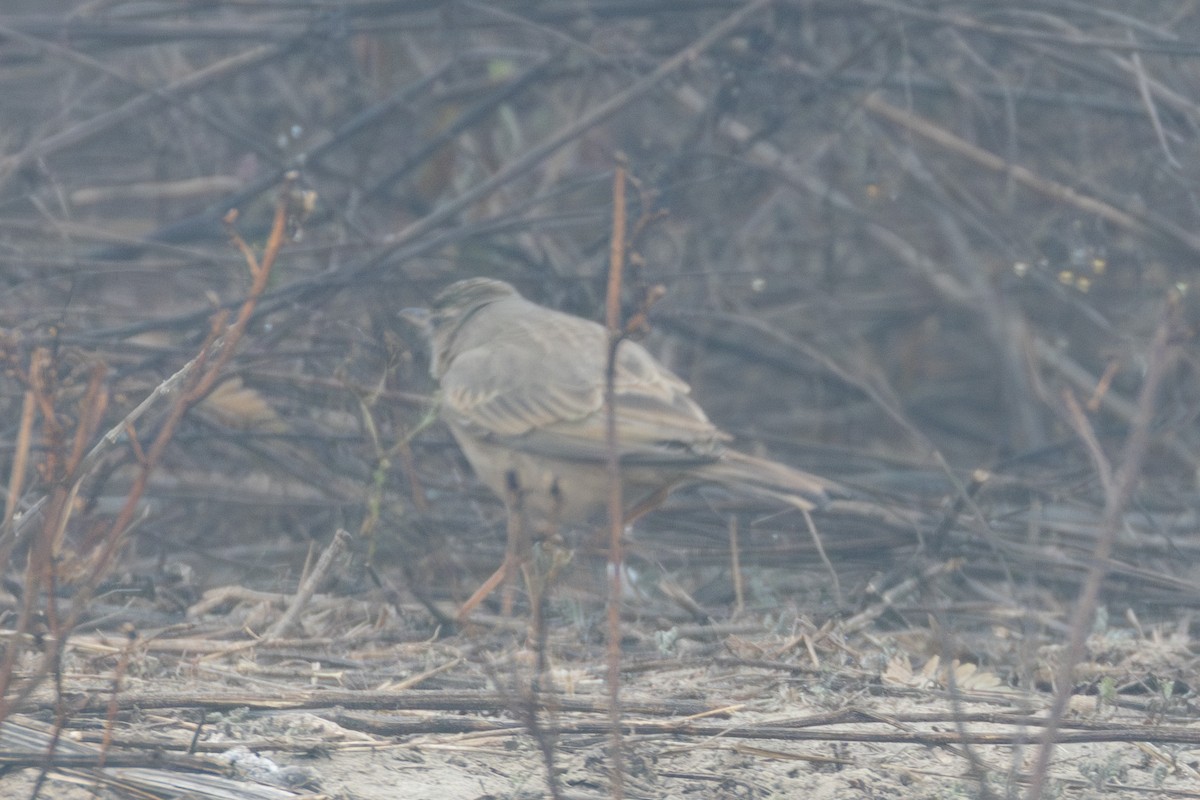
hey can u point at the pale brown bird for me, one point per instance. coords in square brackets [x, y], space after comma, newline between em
[523, 393]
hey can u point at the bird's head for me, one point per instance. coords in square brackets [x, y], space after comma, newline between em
[451, 307]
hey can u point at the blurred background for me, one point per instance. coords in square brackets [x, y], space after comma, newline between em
[894, 238]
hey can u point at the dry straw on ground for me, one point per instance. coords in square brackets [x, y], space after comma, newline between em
[942, 253]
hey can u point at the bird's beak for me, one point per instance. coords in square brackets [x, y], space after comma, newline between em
[419, 318]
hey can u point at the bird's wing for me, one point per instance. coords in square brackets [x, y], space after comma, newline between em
[538, 385]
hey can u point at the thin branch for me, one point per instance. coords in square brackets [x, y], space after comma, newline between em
[1119, 489]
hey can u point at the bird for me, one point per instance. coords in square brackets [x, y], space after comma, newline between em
[522, 390]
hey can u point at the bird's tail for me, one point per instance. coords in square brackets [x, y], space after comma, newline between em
[760, 477]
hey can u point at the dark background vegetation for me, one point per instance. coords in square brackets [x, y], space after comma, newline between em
[894, 237]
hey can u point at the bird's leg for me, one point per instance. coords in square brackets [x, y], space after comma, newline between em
[503, 575]
[647, 504]
[516, 549]
[482, 592]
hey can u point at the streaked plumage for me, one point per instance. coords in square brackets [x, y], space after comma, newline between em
[523, 393]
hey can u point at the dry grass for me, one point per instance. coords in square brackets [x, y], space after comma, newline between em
[942, 253]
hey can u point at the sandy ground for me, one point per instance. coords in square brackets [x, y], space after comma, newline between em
[783, 715]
